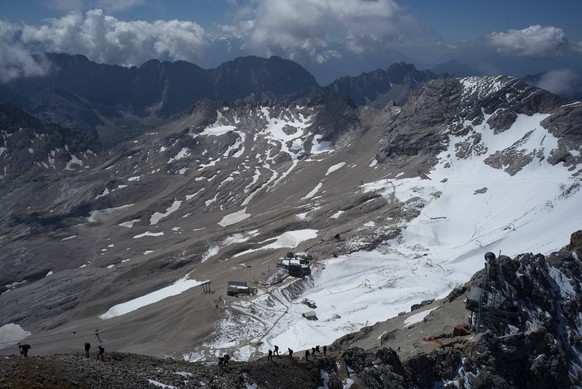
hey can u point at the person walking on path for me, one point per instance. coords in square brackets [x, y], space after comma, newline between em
[100, 353]
[270, 357]
[24, 349]
[87, 348]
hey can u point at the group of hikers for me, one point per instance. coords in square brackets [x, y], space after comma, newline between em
[23, 348]
[314, 350]
[223, 361]
[99, 354]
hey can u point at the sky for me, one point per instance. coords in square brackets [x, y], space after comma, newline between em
[329, 38]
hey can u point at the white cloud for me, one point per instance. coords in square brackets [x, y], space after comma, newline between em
[302, 30]
[576, 46]
[533, 41]
[17, 61]
[319, 30]
[561, 81]
[103, 38]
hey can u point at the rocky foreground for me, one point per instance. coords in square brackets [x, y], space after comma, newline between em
[543, 351]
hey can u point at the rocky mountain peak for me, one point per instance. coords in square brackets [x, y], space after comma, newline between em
[381, 86]
[461, 109]
[115, 103]
[259, 79]
[30, 146]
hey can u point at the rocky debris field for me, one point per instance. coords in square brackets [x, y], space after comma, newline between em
[543, 352]
[120, 370]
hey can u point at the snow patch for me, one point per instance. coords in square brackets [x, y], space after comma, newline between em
[313, 192]
[147, 233]
[156, 217]
[129, 224]
[234, 218]
[320, 146]
[103, 214]
[335, 167]
[178, 287]
[417, 317]
[12, 333]
[160, 385]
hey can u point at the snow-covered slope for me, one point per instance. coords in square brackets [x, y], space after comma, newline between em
[467, 205]
[398, 205]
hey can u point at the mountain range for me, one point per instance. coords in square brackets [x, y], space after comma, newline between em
[133, 196]
[114, 102]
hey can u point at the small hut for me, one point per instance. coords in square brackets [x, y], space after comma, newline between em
[236, 287]
[309, 315]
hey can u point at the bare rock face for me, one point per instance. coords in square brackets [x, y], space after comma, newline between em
[506, 362]
[459, 106]
[419, 130]
[380, 370]
[380, 86]
[543, 351]
[425, 369]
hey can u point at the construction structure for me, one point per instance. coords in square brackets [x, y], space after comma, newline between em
[235, 288]
[297, 264]
[490, 308]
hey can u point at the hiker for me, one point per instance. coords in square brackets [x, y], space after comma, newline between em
[226, 358]
[87, 348]
[100, 353]
[324, 350]
[220, 361]
[290, 353]
[313, 351]
[24, 349]
[276, 352]
[270, 357]
[317, 348]
[307, 355]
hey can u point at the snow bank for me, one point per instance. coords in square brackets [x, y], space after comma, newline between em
[11, 333]
[182, 285]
